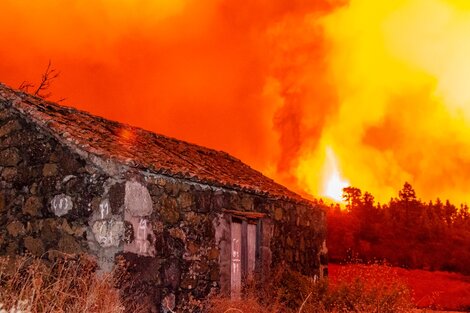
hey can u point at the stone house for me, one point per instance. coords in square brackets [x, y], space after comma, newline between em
[193, 221]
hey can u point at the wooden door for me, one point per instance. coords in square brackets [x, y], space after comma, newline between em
[236, 261]
[251, 251]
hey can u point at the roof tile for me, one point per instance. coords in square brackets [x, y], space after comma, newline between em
[143, 149]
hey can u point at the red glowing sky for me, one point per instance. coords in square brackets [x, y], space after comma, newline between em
[275, 83]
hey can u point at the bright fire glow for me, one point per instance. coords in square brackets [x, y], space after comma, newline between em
[334, 184]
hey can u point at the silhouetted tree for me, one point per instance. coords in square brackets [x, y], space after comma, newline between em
[353, 196]
[409, 204]
[407, 194]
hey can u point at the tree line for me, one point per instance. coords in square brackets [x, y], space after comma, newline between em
[405, 232]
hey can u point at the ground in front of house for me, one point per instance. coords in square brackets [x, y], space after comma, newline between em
[437, 290]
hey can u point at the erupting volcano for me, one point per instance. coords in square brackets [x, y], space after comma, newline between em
[318, 95]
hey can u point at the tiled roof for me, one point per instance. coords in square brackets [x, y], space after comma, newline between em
[142, 149]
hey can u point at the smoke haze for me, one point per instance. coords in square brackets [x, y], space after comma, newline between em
[382, 85]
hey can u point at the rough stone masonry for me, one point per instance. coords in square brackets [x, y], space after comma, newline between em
[191, 221]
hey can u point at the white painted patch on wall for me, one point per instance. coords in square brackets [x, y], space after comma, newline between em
[141, 238]
[108, 233]
[61, 204]
[104, 208]
[138, 206]
[144, 238]
[137, 200]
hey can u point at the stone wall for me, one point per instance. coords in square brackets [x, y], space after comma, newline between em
[46, 192]
[190, 223]
[299, 237]
[183, 269]
[173, 233]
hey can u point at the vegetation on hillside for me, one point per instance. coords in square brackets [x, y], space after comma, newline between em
[406, 231]
[431, 290]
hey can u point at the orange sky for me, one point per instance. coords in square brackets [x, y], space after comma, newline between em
[370, 93]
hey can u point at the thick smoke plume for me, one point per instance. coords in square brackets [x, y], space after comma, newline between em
[401, 76]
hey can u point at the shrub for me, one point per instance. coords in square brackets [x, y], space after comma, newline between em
[357, 288]
[369, 288]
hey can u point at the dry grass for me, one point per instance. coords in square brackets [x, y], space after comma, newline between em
[373, 288]
[69, 284]
[250, 304]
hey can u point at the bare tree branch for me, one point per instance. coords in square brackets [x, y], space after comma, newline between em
[49, 75]
[25, 86]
